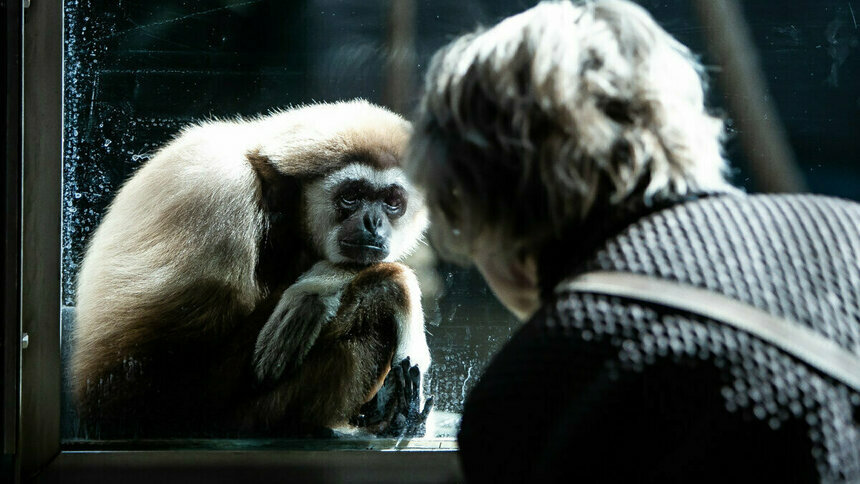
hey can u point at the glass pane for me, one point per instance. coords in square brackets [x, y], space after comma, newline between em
[137, 71]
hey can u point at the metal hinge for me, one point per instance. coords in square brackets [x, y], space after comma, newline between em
[25, 341]
[26, 3]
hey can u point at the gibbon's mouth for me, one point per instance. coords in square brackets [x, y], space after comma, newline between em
[364, 252]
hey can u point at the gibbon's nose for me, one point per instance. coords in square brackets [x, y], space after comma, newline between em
[372, 222]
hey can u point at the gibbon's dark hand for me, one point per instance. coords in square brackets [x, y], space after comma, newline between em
[396, 410]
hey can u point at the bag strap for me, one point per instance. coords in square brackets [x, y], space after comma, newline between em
[790, 336]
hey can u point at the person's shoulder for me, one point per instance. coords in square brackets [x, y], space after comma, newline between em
[737, 210]
[784, 201]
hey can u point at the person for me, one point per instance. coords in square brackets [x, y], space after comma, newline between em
[573, 138]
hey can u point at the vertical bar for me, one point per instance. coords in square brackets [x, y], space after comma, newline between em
[400, 60]
[762, 135]
[12, 29]
[42, 197]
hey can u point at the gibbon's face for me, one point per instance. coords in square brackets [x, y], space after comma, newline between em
[361, 214]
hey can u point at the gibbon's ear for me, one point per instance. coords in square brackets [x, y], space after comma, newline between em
[279, 193]
[283, 247]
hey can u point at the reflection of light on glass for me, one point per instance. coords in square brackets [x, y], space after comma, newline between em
[463, 389]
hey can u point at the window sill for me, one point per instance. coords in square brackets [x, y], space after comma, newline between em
[211, 466]
[257, 444]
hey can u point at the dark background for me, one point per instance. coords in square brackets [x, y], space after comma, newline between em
[137, 70]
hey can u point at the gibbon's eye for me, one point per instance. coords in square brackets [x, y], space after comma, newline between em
[347, 200]
[394, 203]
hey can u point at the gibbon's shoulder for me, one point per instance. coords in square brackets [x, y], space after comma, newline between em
[305, 141]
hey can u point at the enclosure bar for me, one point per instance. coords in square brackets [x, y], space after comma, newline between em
[762, 135]
[400, 58]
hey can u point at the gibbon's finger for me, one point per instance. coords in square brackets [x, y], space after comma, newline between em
[404, 365]
[403, 414]
[415, 374]
[420, 415]
[428, 406]
[401, 387]
[415, 380]
[408, 389]
[417, 425]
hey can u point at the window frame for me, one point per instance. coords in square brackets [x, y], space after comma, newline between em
[36, 438]
[12, 32]
[41, 175]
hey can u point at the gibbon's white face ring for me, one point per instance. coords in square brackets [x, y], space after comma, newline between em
[322, 223]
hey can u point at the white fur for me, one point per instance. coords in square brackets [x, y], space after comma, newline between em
[359, 171]
[413, 339]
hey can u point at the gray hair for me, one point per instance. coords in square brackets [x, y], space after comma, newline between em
[529, 126]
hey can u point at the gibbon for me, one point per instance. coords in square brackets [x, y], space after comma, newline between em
[245, 281]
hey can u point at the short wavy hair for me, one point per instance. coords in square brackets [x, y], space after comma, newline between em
[527, 127]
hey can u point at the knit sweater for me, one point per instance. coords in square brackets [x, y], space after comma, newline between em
[609, 388]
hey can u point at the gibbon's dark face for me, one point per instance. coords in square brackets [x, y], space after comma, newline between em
[361, 214]
[365, 214]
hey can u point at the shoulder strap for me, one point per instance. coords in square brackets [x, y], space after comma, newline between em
[790, 336]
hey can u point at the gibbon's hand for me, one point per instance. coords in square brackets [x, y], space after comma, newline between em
[295, 324]
[396, 410]
[287, 336]
[290, 332]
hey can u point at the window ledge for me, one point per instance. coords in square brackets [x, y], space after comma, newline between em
[212, 466]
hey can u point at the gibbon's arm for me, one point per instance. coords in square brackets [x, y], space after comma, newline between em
[295, 323]
[350, 356]
[412, 338]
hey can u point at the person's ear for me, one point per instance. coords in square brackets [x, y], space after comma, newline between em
[523, 264]
[512, 275]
